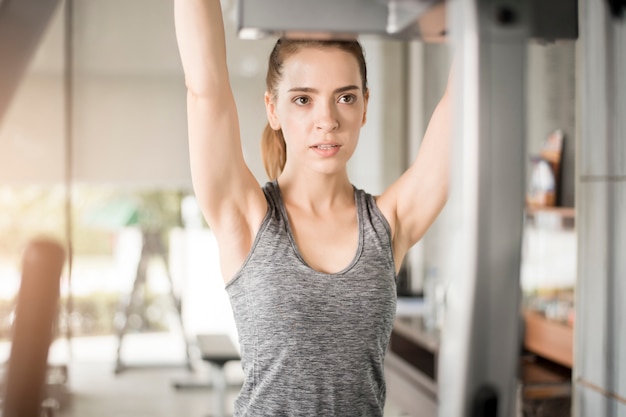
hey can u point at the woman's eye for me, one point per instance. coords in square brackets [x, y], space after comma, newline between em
[301, 100]
[347, 99]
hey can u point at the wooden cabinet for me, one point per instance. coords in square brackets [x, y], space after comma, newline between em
[548, 281]
[548, 338]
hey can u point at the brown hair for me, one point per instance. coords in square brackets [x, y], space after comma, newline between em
[273, 147]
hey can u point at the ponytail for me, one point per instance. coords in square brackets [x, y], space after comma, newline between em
[274, 151]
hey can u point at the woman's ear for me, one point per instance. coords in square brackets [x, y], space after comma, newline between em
[270, 109]
[366, 97]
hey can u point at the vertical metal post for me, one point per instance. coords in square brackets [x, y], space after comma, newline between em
[600, 334]
[480, 347]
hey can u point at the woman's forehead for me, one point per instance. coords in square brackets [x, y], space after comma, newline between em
[314, 67]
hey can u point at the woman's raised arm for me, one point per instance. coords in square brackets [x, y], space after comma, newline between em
[412, 203]
[230, 197]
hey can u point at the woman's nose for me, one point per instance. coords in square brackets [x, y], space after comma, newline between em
[327, 120]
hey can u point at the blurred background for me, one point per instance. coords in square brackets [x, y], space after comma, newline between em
[93, 152]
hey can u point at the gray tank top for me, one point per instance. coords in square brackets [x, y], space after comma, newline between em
[312, 343]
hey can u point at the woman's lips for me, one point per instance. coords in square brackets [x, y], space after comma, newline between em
[326, 149]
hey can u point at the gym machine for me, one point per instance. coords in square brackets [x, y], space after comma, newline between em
[478, 355]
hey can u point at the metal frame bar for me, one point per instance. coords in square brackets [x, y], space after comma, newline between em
[480, 342]
[392, 18]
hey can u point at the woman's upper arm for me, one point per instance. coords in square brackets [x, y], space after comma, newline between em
[412, 203]
[228, 194]
[223, 184]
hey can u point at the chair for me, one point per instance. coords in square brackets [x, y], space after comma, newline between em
[33, 330]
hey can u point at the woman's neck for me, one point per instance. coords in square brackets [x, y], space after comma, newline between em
[316, 191]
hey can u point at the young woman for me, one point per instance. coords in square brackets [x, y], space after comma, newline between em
[309, 261]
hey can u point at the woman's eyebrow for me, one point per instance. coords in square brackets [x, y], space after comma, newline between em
[314, 90]
[346, 88]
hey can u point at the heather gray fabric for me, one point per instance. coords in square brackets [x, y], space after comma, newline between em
[313, 344]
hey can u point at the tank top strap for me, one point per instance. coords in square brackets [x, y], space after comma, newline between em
[272, 195]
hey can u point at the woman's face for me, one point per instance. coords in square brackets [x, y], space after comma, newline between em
[320, 107]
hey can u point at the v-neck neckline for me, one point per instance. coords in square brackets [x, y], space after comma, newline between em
[296, 249]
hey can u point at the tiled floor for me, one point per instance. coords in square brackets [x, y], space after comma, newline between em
[95, 390]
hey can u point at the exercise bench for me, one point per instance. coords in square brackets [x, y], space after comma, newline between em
[217, 350]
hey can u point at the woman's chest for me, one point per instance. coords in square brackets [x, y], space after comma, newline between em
[327, 244]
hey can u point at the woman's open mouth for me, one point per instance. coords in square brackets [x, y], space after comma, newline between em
[325, 146]
[326, 149]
